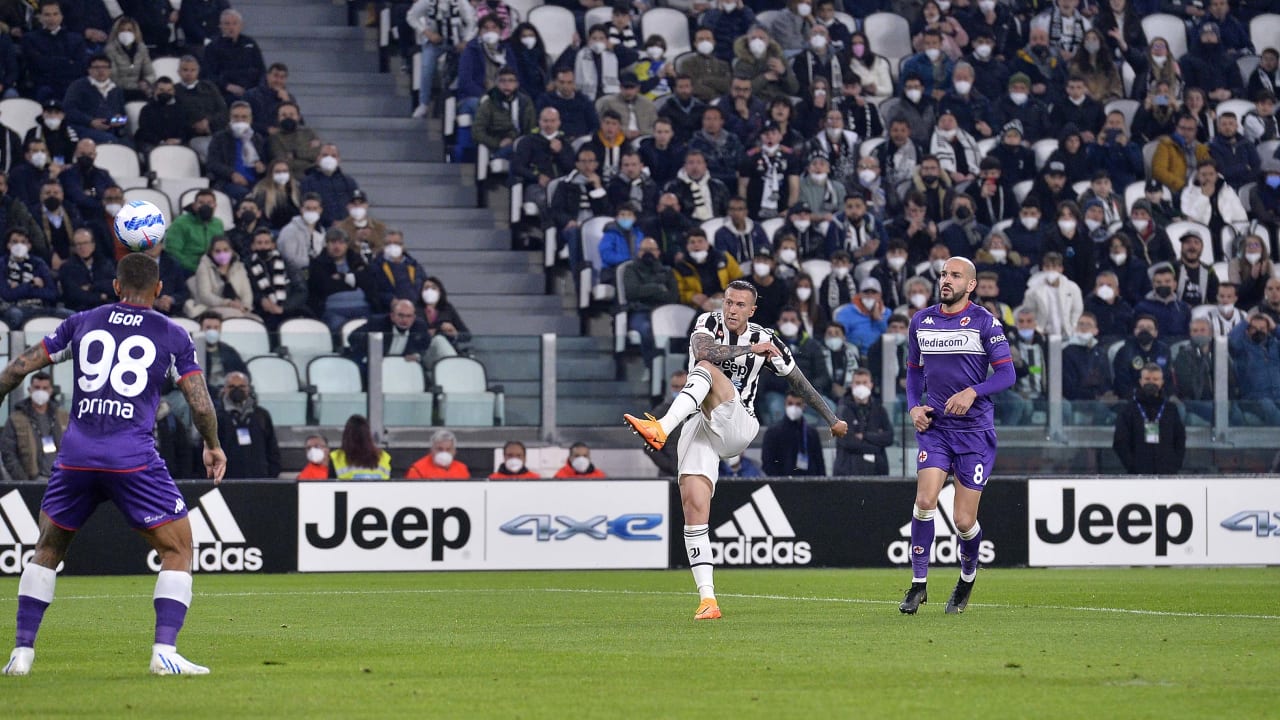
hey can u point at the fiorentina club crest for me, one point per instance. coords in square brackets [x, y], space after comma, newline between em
[923, 456]
[964, 321]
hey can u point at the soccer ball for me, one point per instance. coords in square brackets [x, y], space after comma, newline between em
[140, 225]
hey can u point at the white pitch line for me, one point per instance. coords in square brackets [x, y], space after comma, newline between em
[672, 593]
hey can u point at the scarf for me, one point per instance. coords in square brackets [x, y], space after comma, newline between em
[21, 272]
[831, 64]
[269, 277]
[700, 190]
[836, 298]
[1068, 33]
[771, 183]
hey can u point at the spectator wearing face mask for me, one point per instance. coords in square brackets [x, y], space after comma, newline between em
[237, 155]
[810, 356]
[189, 236]
[439, 463]
[867, 318]
[221, 284]
[1086, 372]
[1054, 300]
[1256, 351]
[739, 466]
[728, 21]
[862, 450]
[318, 465]
[512, 466]
[1193, 369]
[359, 221]
[278, 293]
[1150, 438]
[579, 465]
[220, 358]
[335, 188]
[33, 433]
[1172, 315]
[792, 446]
[839, 287]
[246, 432]
[29, 289]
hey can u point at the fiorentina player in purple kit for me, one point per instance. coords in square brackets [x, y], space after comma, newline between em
[949, 348]
[122, 353]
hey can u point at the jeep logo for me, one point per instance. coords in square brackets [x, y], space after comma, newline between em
[1134, 524]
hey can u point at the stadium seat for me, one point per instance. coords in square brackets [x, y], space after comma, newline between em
[1112, 350]
[550, 242]
[765, 18]
[985, 146]
[19, 115]
[1175, 231]
[1238, 107]
[133, 111]
[1002, 226]
[166, 66]
[556, 26]
[862, 270]
[1264, 31]
[1079, 187]
[1244, 192]
[4, 404]
[818, 270]
[119, 161]
[487, 165]
[1169, 27]
[35, 329]
[1135, 192]
[771, 226]
[670, 321]
[1043, 149]
[589, 285]
[191, 326]
[621, 336]
[848, 21]
[1127, 76]
[156, 197]
[177, 187]
[247, 336]
[223, 210]
[683, 58]
[174, 161]
[522, 8]
[464, 397]
[1127, 107]
[671, 25]
[1021, 189]
[1149, 155]
[349, 327]
[275, 381]
[602, 15]
[712, 226]
[1268, 149]
[869, 146]
[305, 340]
[1247, 64]
[405, 400]
[64, 378]
[889, 36]
[337, 392]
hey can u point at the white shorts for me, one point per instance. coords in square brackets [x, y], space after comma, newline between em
[705, 441]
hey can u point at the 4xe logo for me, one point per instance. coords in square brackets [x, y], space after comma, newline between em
[18, 534]
[218, 540]
[1257, 522]
[598, 527]
[750, 537]
[1133, 523]
[946, 539]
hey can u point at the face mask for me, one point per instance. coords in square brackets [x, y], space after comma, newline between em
[1258, 336]
[999, 254]
[698, 256]
[860, 392]
[986, 6]
[1201, 341]
[896, 262]
[40, 397]
[53, 123]
[1105, 293]
[794, 413]
[112, 209]
[787, 255]
[205, 213]
[963, 87]
[393, 251]
[937, 265]
[866, 177]
[947, 134]
[580, 464]
[1092, 47]
[818, 42]
[918, 300]
[868, 303]
[161, 98]
[240, 129]
[39, 159]
[963, 213]
[761, 269]
[770, 149]
[281, 178]
[705, 47]
[358, 213]
[1253, 257]
[20, 251]
[1026, 334]
[933, 54]
[728, 7]
[929, 179]
[1151, 390]
[655, 52]
[914, 95]
[126, 38]
[819, 178]
[212, 336]
[801, 225]
[1081, 338]
[328, 163]
[1067, 226]
[1140, 225]
[1018, 98]
[859, 50]
[316, 455]
[222, 258]
[840, 272]
[288, 125]
[1159, 60]
[1119, 258]
[1092, 224]
[834, 133]
[431, 296]
[310, 217]
[1273, 181]
[804, 293]
[513, 464]
[944, 5]
[789, 329]
[982, 52]
[491, 38]
[442, 459]
[931, 19]
[1052, 276]
[1164, 291]
[529, 41]
[757, 46]
[833, 343]
[649, 259]
[803, 9]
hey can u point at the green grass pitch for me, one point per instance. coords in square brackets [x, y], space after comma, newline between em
[1115, 643]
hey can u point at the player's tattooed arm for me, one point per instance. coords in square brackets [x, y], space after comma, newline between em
[28, 362]
[706, 348]
[801, 386]
[203, 415]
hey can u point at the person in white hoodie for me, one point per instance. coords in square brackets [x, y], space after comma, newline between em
[1056, 301]
[1210, 201]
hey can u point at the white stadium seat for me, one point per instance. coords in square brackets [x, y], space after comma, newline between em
[338, 392]
[405, 400]
[275, 381]
[306, 340]
[247, 336]
[465, 397]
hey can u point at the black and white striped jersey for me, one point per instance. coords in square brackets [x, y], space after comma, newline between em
[743, 371]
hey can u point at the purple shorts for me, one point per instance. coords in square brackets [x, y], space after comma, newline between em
[970, 456]
[147, 497]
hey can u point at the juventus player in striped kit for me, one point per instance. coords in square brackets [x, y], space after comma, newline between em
[716, 413]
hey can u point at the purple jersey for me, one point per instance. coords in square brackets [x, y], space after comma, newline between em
[956, 352]
[122, 354]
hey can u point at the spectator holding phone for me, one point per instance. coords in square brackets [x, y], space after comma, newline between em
[95, 105]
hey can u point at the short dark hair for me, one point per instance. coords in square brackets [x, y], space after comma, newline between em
[41, 375]
[611, 115]
[137, 272]
[278, 66]
[507, 70]
[744, 286]
[517, 443]
[313, 196]
[99, 57]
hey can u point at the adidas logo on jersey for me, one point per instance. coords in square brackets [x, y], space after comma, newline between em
[18, 534]
[754, 535]
[946, 539]
[216, 536]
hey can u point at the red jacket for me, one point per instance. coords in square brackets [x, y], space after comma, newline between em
[502, 474]
[568, 473]
[426, 469]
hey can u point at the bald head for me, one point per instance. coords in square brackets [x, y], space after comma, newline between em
[959, 278]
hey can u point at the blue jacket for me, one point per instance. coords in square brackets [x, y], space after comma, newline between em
[397, 280]
[54, 61]
[48, 295]
[920, 65]
[1173, 317]
[859, 328]
[85, 193]
[614, 246]
[1122, 162]
[1257, 365]
[1238, 161]
[471, 69]
[727, 27]
[577, 114]
[83, 286]
[84, 103]
[335, 192]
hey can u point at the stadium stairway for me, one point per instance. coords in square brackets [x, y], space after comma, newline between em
[398, 161]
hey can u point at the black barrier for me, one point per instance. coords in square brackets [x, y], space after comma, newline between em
[838, 523]
[236, 527]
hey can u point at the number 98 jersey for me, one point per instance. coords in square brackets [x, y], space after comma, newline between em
[122, 354]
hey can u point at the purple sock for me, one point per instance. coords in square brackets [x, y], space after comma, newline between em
[921, 544]
[969, 552]
[30, 613]
[170, 614]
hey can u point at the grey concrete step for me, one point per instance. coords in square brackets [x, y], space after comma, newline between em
[405, 171]
[507, 260]
[309, 76]
[484, 302]
[422, 236]
[382, 125]
[603, 389]
[370, 146]
[262, 15]
[461, 216]
[585, 367]
[357, 105]
[523, 411]
[525, 368]
[294, 33]
[508, 323]
[473, 280]
[323, 60]
[575, 412]
[438, 199]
